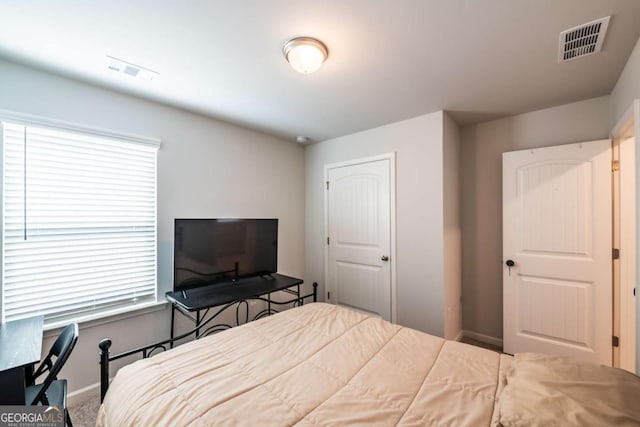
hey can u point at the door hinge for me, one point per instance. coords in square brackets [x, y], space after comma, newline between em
[327, 240]
[615, 253]
[327, 185]
[615, 165]
[615, 341]
[328, 294]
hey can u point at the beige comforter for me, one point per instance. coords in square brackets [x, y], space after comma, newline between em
[315, 365]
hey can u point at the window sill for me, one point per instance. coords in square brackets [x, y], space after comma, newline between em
[94, 320]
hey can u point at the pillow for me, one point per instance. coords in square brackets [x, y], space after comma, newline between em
[546, 390]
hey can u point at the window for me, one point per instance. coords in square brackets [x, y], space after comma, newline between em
[79, 223]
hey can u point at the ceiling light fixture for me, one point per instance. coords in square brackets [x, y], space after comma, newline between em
[305, 54]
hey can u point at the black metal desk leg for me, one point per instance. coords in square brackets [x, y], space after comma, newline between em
[269, 304]
[198, 323]
[173, 318]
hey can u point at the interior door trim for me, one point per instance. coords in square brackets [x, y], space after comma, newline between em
[629, 126]
[392, 204]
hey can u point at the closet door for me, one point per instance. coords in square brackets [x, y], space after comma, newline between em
[557, 231]
[358, 207]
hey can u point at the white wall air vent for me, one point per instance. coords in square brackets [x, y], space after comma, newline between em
[582, 40]
[124, 67]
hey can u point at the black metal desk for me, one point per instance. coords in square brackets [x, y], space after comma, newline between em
[228, 294]
[20, 348]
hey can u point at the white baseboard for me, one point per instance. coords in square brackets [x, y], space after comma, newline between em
[459, 336]
[483, 338]
[84, 392]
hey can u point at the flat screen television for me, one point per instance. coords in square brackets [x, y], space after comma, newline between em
[208, 251]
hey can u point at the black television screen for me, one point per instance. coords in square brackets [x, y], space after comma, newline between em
[208, 251]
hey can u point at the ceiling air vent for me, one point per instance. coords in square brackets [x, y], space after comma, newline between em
[124, 67]
[582, 40]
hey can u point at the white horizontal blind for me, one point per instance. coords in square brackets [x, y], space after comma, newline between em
[79, 224]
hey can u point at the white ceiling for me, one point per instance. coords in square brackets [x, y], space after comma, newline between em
[389, 59]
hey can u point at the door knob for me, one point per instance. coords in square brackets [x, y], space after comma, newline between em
[384, 258]
[510, 263]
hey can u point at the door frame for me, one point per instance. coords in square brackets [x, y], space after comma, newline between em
[628, 126]
[392, 205]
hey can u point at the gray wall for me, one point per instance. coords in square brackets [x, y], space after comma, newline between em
[628, 86]
[452, 232]
[419, 187]
[481, 164]
[626, 90]
[206, 168]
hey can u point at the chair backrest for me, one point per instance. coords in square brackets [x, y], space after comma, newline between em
[61, 349]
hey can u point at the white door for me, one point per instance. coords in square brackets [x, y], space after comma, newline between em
[358, 206]
[557, 296]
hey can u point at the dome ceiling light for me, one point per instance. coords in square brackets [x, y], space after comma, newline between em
[305, 54]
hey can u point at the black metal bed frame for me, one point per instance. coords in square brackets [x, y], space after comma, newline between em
[148, 350]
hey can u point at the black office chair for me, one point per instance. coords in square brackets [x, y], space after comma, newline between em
[53, 391]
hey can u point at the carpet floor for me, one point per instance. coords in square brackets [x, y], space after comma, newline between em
[481, 344]
[84, 410]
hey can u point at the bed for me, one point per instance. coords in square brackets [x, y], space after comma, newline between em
[321, 364]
